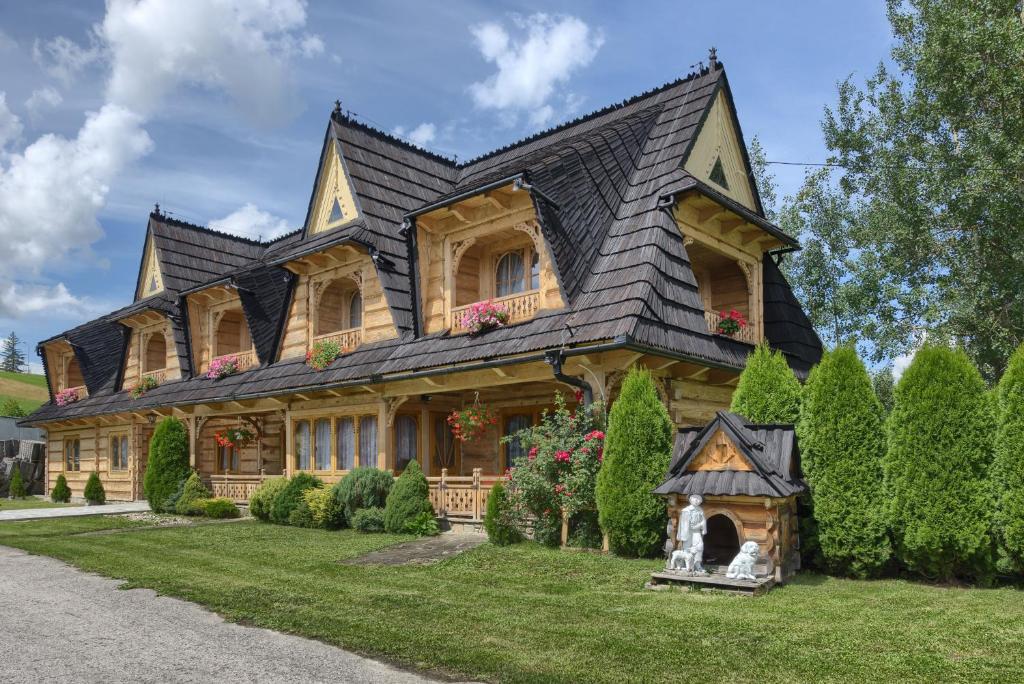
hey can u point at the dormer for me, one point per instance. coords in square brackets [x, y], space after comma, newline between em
[151, 349]
[63, 371]
[333, 204]
[487, 246]
[218, 328]
[151, 279]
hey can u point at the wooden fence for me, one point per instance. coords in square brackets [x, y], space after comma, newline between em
[461, 496]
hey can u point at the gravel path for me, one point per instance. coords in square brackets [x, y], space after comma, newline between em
[63, 625]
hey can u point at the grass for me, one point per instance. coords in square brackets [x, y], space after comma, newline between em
[29, 502]
[526, 613]
[26, 389]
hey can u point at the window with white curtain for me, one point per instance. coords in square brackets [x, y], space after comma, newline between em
[405, 441]
[368, 441]
[355, 310]
[514, 449]
[509, 277]
[346, 428]
[227, 459]
[302, 444]
[534, 271]
[322, 444]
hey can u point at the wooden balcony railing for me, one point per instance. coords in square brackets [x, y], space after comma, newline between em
[158, 375]
[747, 334]
[461, 496]
[521, 306]
[346, 339]
[238, 488]
[83, 391]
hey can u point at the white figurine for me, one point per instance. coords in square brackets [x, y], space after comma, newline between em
[742, 566]
[691, 530]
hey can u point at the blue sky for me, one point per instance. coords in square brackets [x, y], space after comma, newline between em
[217, 112]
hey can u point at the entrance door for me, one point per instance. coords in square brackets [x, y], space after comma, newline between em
[721, 543]
[444, 449]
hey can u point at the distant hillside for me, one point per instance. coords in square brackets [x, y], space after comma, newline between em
[27, 389]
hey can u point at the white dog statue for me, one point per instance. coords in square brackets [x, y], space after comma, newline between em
[742, 566]
[682, 559]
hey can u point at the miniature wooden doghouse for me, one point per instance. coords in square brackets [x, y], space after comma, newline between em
[749, 476]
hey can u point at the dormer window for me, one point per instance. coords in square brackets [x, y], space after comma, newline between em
[155, 356]
[339, 313]
[231, 338]
[510, 274]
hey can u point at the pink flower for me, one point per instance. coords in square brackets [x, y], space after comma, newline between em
[562, 456]
[596, 434]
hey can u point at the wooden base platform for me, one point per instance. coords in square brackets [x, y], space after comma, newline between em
[665, 579]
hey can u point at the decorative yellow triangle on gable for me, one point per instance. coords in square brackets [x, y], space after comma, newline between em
[719, 454]
[334, 204]
[717, 157]
[152, 280]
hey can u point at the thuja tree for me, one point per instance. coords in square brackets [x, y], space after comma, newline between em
[936, 466]
[1008, 469]
[842, 444]
[767, 392]
[168, 464]
[559, 473]
[637, 453]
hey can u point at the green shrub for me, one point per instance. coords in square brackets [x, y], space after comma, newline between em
[61, 492]
[408, 499]
[637, 450]
[498, 521]
[168, 463]
[1008, 468]
[423, 525]
[261, 500]
[16, 487]
[363, 488]
[936, 467]
[220, 507]
[326, 512]
[94, 492]
[767, 392]
[171, 504]
[290, 496]
[883, 383]
[11, 408]
[368, 519]
[192, 493]
[842, 443]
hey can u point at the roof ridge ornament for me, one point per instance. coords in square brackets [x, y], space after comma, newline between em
[713, 58]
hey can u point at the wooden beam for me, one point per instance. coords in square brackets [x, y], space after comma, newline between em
[705, 215]
[498, 202]
[727, 226]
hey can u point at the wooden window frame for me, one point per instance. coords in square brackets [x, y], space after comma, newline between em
[318, 287]
[64, 454]
[417, 442]
[113, 458]
[144, 338]
[357, 419]
[235, 451]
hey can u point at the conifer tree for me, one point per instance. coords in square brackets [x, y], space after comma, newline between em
[842, 443]
[12, 359]
[637, 450]
[936, 467]
[168, 465]
[1008, 469]
[768, 391]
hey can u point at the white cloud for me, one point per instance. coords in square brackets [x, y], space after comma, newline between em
[311, 46]
[530, 68]
[63, 58]
[249, 221]
[19, 301]
[422, 135]
[901, 363]
[41, 99]
[10, 124]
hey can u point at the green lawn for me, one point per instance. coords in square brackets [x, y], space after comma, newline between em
[26, 389]
[526, 613]
[29, 502]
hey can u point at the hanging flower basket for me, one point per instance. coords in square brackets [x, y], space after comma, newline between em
[234, 437]
[729, 324]
[322, 354]
[483, 316]
[471, 424]
[147, 383]
[223, 366]
[68, 396]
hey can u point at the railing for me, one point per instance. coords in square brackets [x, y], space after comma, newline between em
[521, 306]
[246, 359]
[157, 375]
[83, 391]
[346, 339]
[238, 488]
[461, 496]
[746, 334]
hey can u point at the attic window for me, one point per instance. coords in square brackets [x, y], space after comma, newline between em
[718, 174]
[336, 212]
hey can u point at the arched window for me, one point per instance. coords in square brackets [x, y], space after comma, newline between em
[509, 278]
[155, 357]
[340, 307]
[74, 374]
[534, 271]
[232, 334]
[355, 310]
[405, 441]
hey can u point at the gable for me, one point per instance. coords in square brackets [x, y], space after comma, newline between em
[718, 156]
[151, 281]
[719, 454]
[333, 204]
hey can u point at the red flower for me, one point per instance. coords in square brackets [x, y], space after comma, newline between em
[596, 434]
[579, 395]
[562, 456]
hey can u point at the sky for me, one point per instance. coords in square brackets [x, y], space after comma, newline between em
[216, 109]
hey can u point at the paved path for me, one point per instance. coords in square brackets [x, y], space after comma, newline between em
[64, 625]
[72, 511]
[422, 551]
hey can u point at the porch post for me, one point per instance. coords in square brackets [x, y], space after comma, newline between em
[383, 435]
[193, 440]
[289, 443]
[424, 449]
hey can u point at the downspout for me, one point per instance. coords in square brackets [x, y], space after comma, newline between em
[408, 231]
[554, 358]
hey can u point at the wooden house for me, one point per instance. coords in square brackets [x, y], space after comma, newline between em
[612, 240]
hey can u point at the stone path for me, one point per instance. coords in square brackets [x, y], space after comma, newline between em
[64, 625]
[422, 551]
[73, 511]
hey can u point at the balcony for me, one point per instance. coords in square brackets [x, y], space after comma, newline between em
[747, 334]
[521, 307]
[158, 375]
[247, 359]
[346, 339]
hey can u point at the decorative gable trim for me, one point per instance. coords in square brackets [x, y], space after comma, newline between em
[334, 200]
[151, 279]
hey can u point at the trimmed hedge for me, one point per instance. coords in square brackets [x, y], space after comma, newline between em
[262, 500]
[168, 465]
[936, 467]
[289, 497]
[318, 509]
[219, 508]
[16, 487]
[768, 391]
[61, 492]
[193, 496]
[497, 521]
[637, 450]
[94, 492]
[369, 519]
[842, 443]
[363, 488]
[408, 499]
[1008, 467]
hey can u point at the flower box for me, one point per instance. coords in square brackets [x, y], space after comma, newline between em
[322, 354]
[223, 366]
[67, 396]
[730, 324]
[147, 383]
[483, 316]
